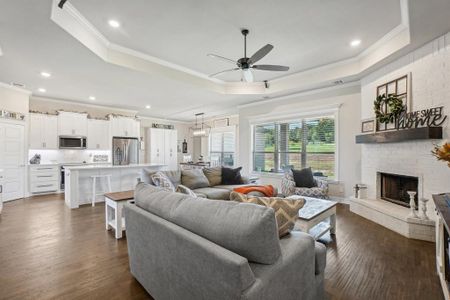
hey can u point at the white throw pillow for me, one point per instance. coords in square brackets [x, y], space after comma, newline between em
[161, 180]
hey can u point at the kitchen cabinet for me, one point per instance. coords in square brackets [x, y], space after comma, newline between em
[43, 132]
[44, 179]
[72, 124]
[162, 147]
[98, 137]
[125, 127]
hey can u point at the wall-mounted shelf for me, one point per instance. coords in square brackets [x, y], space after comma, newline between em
[401, 135]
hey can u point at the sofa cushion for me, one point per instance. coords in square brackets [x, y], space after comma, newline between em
[185, 190]
[214, 175]
[286, 210]
[161, 180]
[174, 176]
[213, 193]
[304, 178]
[231, 176]
[194, 179]
[246, 229]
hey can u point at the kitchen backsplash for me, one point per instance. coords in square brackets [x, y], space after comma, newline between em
[68, 156]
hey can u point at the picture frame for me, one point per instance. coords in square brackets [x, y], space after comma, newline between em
[368, 125]
[401, 87]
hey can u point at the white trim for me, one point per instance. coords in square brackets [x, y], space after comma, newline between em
[301, 94]
[81, 29]
[72, 102]
[14, 88]
[283, 116]
[332, 110]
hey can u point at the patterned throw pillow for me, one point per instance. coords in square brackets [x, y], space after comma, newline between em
[286, 210]
[161, 180]
[185, 190]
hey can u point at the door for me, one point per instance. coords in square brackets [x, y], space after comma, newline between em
[36, 129]
[50, 132]
[156, 146]
[170, 141]
[98, 135]
[12, 141]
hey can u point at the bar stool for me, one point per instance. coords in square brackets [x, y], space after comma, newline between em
[94, 185]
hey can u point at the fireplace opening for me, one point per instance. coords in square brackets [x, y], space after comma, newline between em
[394, 188]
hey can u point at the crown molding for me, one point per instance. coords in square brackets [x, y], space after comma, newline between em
[14, 88]
[73, 22]
[69, 102]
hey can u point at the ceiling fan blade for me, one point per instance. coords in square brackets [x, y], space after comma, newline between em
[247, 75]
[222, 58]
[270, 67]
[218, 73]
[261, 53]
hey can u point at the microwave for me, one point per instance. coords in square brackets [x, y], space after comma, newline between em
[72, 142]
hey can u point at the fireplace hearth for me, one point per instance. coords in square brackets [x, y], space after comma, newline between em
[394, 188]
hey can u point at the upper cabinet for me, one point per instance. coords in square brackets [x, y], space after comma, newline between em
[98, 137]
[72, 124]
[43, 131]
[125, 127]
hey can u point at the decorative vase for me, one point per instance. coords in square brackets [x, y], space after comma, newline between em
[412, 204]
[423, 205]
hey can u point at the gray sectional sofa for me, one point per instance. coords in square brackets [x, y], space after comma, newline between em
[182, 247]
[207, 187]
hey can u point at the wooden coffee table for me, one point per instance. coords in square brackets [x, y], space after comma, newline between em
[113, 210]
[317, 216]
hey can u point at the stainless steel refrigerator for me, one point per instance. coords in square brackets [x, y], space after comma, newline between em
[125, 151]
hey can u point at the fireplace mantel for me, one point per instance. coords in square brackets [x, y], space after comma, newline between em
[401, 135]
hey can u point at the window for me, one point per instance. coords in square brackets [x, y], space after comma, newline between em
[308, 142]
[222, 147]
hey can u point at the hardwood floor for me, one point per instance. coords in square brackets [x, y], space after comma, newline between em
[50, 252]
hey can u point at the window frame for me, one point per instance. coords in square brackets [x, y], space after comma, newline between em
[333, 111]
[229, 129]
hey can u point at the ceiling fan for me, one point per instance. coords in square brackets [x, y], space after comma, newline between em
[246, 64]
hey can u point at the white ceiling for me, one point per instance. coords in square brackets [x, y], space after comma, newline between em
[306, 34]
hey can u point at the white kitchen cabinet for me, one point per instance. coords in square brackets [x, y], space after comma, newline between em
[98, 137]
[162, 147]
[43, 131]
[125, 127]
[44, 179]
[72, 124]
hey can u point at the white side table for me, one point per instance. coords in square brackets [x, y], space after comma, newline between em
[113, 211]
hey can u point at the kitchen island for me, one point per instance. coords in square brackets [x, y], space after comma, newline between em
[78, 181]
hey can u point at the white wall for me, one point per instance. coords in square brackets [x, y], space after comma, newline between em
[348, 126]
[430, 70]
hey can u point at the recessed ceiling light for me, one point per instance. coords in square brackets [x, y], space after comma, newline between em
[114, 23]
[148, 106]
[45, 74]
[355, 43]
[42, 90]
[91, 98]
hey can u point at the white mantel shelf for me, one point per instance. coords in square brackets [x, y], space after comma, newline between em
[394, 217]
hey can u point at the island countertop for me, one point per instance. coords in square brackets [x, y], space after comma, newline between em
[110, 166]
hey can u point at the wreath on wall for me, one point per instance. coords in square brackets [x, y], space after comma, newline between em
[395, 105]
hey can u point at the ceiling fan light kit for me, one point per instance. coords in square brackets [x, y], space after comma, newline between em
[246, 64]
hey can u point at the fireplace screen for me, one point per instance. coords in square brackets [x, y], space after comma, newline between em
[394, 188]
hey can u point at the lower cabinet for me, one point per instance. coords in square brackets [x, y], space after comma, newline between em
[44, 179]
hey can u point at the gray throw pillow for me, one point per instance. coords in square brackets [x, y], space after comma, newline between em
[194, 179]
[161, 180]
[214, 175]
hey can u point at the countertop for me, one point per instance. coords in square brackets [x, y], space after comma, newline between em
[110, 166]
[46, 164]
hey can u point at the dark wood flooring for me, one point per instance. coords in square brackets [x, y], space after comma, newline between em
[48, 251]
